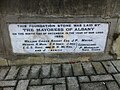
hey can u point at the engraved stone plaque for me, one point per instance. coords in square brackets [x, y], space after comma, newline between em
[58, 37]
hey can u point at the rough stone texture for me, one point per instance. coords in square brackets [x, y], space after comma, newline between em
[93, 86]
[2, 51]
[22, 85]
[8, 83]
[45, 71]
[72, 83]
[3, 72]
[117, 77]
[101, 78]
[27, 61]
[60, 7]
[23, 72]
[53, 81]
[117, 8]
[116, 47]
[77, 69]
[66, 70]
[8, 88]
[3, 62]
[34, 71]
[56, 70]
[12, 72]
[112, 86]
[60, 87]
[35, 82]
[88, 68]
[117, 64]
[46, 87]
[99, 68]
[109, 67]
[83, 79]
[118, 26]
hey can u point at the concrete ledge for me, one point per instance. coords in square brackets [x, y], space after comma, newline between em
[3, 62]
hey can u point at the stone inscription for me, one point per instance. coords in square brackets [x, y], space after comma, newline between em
[58, 37]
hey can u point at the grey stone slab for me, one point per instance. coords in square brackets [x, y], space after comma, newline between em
[99, 68]
[45, 71]
[101, 78]
[53, 81]
[35, 82]
[117, 64]
[12, 73]
[23, 72]
[60, 87]
[88, 68]
[72, 83]
[46, 87]
[117, 78]
[77, 69]
[109, 67]
[83, 79]
[93, 86]
[34, 72]
[3, 72]
[66, 70]
[112, 86]
[8, 88]
[22, 85]
[56, 70]
[8, 83]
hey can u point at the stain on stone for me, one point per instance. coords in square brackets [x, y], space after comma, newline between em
[115, 36]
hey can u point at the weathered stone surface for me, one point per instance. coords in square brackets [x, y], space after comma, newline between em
[34, 72]
[12, 72]
[117, 8]
[8, 83]
[2, 51]
[22, 85]
[60, 7]
[23, 72]
[109, 67]
[8, 88]
[56, 70]
[27, 60]
[117, 77]
[53, 81]
[35, 82]
[101, 78]
[83, 79]
[88, 68]
[3, 72]
[60, 87]
[77, 69]
[66, 70]
[45, 71]
[117, 64]
[93, 86]
[72, 83]
[99, 68]
[112, 86]
[46, 87]
[3, 62]
[116, 47]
